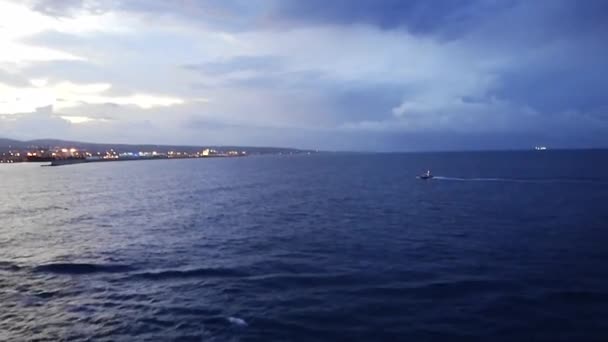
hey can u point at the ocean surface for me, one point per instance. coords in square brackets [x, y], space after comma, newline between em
[501, 246]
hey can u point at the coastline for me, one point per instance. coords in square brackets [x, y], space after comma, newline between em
[63, 162]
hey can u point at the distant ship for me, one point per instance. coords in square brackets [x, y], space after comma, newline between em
[540, 148]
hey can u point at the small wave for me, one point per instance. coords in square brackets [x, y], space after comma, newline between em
[237, 321]
[33, 211]
[81, 268]
[8, 266]
[46, 294]
[78, 219]
[193, 273]
[304, 279]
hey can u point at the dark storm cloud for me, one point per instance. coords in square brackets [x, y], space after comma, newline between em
[557, 49]
[558, 55]
[444, 17]
[450, 17]
[364, 101]
[579, 84]
[267, 72]
[354, 100]
[414, 74]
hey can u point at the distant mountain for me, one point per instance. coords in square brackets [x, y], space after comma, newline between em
[9, 142]
[6, 144]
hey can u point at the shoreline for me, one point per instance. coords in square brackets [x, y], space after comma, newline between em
[63, 162]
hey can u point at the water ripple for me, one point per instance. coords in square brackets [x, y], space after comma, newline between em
[190, 273]
[81, 268]
[322, 248]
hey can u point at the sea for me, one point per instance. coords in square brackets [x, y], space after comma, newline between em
[499, 246]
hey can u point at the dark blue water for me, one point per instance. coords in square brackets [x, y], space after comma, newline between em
[501, 246]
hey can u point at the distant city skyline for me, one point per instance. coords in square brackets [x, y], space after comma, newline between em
[362, 75]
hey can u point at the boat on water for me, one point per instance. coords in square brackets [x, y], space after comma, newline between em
[426, 175]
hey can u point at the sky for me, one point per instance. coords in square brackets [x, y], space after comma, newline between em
[368, 75]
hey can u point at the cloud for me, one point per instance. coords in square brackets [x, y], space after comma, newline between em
[33, 125]
[74, 119]
[357, 74]
[12, 79]
[65, 8]
[89, 123]
[67, 94]
[258, 64]
[443, 17]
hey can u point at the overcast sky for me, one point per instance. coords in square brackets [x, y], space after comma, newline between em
[330, 74]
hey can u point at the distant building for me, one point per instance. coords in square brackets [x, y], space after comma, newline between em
[208, 152]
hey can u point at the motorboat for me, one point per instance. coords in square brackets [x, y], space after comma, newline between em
[426, 175]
